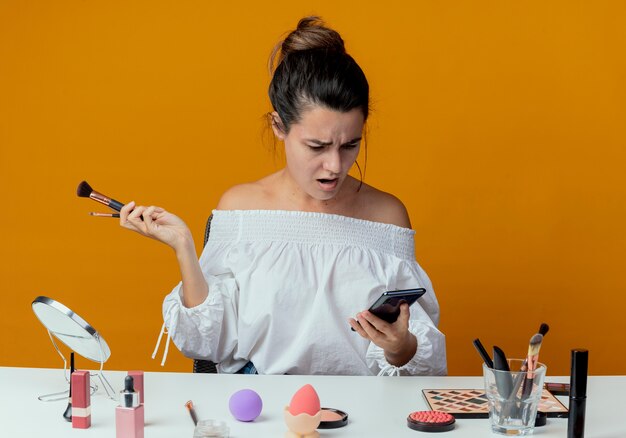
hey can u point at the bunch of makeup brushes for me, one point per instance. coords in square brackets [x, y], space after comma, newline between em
[84, 190]
[507, 388]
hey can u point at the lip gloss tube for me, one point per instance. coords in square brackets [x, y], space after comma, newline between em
[129, 418]
[81, 400]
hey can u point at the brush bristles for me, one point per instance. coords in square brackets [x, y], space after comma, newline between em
[543, 329]
[535, 344]
[84, 190]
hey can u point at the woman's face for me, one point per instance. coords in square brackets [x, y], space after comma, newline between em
[321, 148]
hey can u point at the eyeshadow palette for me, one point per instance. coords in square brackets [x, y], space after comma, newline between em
[472, 403]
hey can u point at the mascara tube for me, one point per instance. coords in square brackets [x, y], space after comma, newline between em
[578, 394]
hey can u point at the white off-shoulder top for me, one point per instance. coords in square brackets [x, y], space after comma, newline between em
[282, 285]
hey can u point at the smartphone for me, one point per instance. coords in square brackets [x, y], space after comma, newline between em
[387, 306]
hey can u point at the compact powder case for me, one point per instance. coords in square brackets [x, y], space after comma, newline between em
[430, 421]
[333, 419]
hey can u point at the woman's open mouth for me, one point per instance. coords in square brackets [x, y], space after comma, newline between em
[328, 184]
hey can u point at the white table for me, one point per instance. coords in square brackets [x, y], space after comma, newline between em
[377, 406]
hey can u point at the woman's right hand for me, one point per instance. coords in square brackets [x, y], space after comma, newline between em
[156, 223]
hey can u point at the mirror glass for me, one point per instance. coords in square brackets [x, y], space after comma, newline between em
[71, 329]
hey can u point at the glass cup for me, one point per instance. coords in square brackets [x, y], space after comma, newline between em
[211, 428]
[513, 397]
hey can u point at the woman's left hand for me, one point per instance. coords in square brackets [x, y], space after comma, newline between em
[395, 338]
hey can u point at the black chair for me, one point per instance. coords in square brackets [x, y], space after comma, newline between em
[199, 365]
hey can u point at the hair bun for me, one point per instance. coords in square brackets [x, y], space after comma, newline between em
[311, 33]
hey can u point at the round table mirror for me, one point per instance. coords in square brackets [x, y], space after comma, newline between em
[71, 329]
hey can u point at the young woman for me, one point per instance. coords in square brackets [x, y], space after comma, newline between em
[293, 256]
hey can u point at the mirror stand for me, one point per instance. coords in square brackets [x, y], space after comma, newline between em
[63, 395]
[100, 374]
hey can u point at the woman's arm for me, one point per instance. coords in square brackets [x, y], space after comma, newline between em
[158, 224]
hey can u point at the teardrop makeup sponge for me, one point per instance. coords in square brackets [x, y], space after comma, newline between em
[245, 405]
[305, 400]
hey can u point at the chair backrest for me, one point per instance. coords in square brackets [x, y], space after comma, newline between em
[199, 365]
[207, 229]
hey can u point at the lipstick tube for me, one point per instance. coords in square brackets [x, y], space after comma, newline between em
[81, 400]
[578, 394]
[129, 416]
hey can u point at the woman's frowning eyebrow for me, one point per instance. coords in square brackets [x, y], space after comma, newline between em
[328, 143]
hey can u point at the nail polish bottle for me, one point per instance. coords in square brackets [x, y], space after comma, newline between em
[129, 419]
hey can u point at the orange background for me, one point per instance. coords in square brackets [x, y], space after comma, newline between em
[501, 125]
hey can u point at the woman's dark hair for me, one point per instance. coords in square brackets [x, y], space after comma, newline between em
[311, 67]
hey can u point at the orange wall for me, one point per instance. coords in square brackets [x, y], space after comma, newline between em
[501, 125]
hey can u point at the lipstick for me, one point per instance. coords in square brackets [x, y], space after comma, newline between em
[578, 393]
[81, 400]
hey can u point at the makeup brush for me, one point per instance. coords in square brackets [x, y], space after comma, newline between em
[543, 330]
[483, 353]
[504, 381]
[97, 214]
[192, 412]
[84, 190]
[533, 357]
[68, 410]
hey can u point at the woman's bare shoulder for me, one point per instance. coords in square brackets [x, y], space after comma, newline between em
[248, 196]
[384, 207]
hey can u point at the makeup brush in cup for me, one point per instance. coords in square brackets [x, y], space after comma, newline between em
[483, 353]
[533, 356]
[504, 381]
[543, 330]
[84, 190]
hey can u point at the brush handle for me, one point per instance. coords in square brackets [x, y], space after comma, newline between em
[72, 369]
[115, 205]
[531, 362]
[527, 388]
[67, 414]
[194, 417]
[483, 353]
[519, 379]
